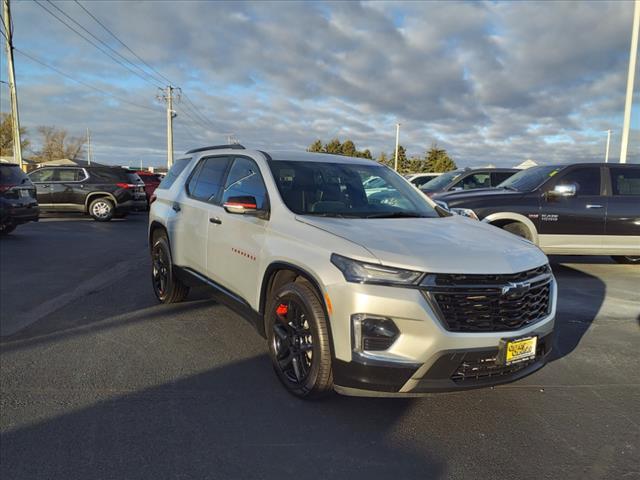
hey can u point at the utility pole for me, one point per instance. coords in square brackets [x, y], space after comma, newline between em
[395, 162]
[167, 97]
[89, 152]
[606, 155]
[633, 54]
[15, 120]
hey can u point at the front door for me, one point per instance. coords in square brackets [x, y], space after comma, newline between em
[574, 224]
[236, 240]
[67, 191]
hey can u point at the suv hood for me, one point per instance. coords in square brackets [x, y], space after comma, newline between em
[475, 194]
[440, 245]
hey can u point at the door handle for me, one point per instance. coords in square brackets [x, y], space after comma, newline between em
[176, 207]
[45, 186]
[216, 220]
[590, 205]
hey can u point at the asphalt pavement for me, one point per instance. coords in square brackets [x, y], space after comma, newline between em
[98, 381]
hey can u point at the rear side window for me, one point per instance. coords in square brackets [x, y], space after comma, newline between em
[586, 180]
[244, 180]
[11, 175]
[477, 180]
[498, 177]
[206, 181]
[420, 181]
[69, 175]
[44, 175]
[625, 181]
[175, 171]
[109, 175]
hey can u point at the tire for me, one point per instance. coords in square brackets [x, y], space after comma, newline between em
[518, 229]
[627, 259]
[101, 209]
[167, 288]
[298, 340]
[7, 228]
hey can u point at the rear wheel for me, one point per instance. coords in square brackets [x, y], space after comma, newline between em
[518, 229]
[627, 259]
[7, 228]
[298, 338]
[101, 209]
[166, 286]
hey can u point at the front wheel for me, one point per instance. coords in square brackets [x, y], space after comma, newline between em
[298, 338]
[166, 286]
[627, 259]
[101, 209]
[7, 228]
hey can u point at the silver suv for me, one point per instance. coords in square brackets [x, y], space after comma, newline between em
[363, 291]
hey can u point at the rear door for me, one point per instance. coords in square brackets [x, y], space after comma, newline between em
[574, 224]
[622, 228]
[235, 243]
[67, 190]
[197, 202]
[498, 177]
[42, 179]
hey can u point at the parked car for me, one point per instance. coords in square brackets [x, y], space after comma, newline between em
[420, 179]
[151, 182]
[17, 198]
[102, 192]
[468, 179]
[580, 209]
[352, 295]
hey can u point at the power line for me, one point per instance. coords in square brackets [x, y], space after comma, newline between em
[160, 75]
[197, 111]
[98, 89]
[92, 42]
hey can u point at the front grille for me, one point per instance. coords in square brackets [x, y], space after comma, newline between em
[490, 303]
[486, 369]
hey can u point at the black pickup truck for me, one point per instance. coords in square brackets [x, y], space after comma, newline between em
[578, 209]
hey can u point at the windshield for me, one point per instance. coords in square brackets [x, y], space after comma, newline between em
[347, 190]
[441, 181]
[529, 179]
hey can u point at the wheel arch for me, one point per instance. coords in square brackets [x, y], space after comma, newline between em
[154, 227]
[93, 195]
[503, 218]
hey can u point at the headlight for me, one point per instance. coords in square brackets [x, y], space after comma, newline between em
[465, 212]
[361, 272]
[442, 204]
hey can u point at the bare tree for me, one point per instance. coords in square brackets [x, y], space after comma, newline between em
[57, 144]
[6, 136]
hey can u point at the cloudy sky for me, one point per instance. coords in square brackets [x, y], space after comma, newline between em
[491, 82]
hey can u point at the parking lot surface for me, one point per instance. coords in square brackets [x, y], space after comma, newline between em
[99, 381]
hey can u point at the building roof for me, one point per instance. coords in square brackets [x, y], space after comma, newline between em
[527, 164]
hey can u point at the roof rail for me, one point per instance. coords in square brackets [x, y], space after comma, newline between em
[234, 146]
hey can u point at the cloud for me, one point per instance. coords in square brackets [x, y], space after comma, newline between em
[491, 82]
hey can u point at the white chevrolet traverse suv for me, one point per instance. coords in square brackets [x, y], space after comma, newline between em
[365, 292]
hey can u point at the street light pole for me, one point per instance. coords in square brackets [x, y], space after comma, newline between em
[395, 162]
[606, 155]
[633, 54]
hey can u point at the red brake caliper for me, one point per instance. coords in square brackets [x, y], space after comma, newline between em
[282, 310]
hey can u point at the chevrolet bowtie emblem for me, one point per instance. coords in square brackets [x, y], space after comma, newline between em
[515, 289]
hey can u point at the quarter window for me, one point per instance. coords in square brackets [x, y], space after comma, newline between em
[244, 180]
[498, 177]
[626, 181]
[69, 175]
[586, 180]
[206, 181]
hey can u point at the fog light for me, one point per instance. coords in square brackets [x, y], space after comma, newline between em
[371, 333]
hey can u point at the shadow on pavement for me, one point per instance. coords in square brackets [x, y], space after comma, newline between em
[580, 297]
[230, 422]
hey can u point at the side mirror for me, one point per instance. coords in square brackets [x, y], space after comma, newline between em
[241, 205]
[564, 190]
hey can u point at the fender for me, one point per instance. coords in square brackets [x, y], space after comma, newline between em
[516, 217]
[101, 194]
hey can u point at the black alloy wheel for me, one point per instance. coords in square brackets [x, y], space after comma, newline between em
[166, 286]
[298, 340]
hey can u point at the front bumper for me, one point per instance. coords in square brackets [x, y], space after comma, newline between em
[426, 357]
[18, 214]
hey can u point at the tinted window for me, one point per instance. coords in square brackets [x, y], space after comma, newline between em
[244, 180]
[206, 181]
[175, 171]
[134, 178]
[11, 175]
[108, 175]
[477, 180]
[420, 181]
[586, 180]
[345, 190]
[441, 181]
[44, 175]
[69, 175]
[626, 181]
[498, 177]
[529, 179]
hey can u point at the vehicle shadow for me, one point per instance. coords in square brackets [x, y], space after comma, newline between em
[235, 421]
[580, 297]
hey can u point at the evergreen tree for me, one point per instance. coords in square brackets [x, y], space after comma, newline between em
[316, 147]
[333, 147]
[438, 160]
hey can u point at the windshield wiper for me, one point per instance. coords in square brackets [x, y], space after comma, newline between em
[396, 215]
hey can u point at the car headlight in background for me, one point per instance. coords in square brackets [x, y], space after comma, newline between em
[361, 272]
[465, 212]
[442, 204]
